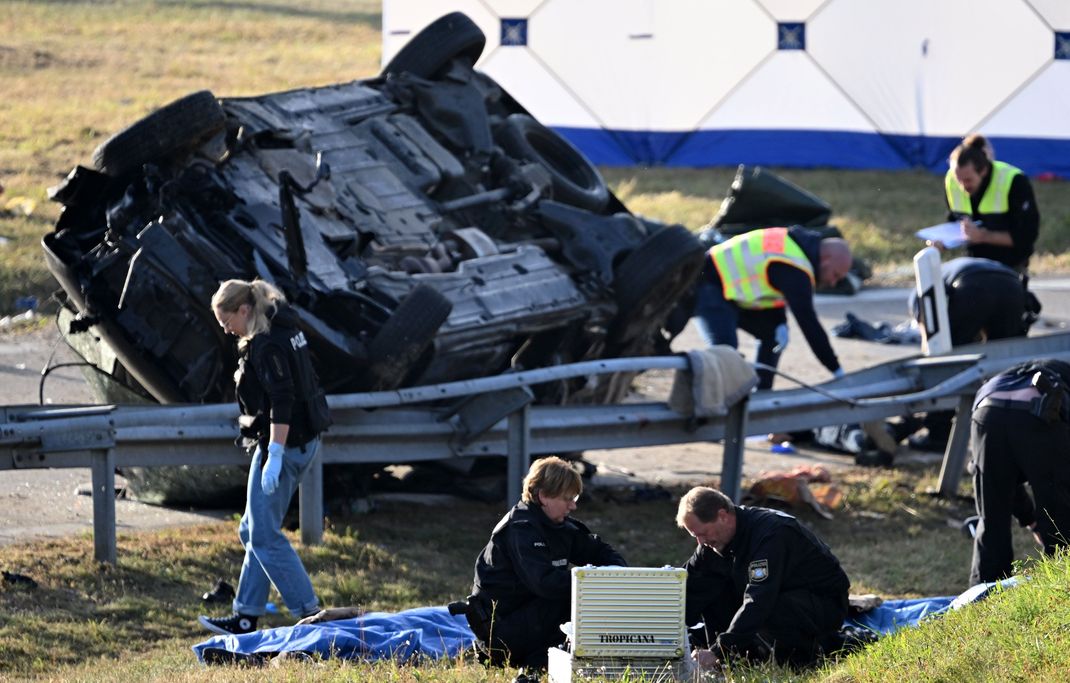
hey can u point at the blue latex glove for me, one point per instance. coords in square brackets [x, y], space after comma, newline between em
[837, 373]
[269, 478]
[781, 337]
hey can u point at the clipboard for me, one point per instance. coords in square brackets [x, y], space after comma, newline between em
[949, 234]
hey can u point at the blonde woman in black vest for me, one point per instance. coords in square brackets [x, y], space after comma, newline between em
[283, 412]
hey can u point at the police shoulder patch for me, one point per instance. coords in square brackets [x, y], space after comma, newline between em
[758, 571]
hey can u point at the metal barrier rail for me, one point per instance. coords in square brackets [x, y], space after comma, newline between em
[497, 419]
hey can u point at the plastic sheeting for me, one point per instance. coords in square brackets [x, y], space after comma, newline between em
[844, 83]
[423, 632]
[893, 615]
[434, 633]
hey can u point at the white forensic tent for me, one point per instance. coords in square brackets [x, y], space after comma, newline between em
[881, 84]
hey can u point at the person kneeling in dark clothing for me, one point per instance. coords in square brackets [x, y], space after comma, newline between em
[522, 589]
[763, 584]
[986, 301]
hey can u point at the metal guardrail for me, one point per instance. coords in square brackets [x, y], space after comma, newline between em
[496, 418]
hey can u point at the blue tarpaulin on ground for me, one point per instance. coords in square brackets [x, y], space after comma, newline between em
[893, 615]
[433, 632]
[423, 632]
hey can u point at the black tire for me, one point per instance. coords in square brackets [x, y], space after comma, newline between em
[575, 179]
[657, 272]
[407, 334]
[439, 43]
[175, 127]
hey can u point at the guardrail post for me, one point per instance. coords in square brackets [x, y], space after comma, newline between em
[519, 453]
[735, 430]
[103, 468]
[955, 455]
[310, 502]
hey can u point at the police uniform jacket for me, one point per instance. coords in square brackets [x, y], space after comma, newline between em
[771, 553]
[528, 557]
[1020, 377]
[277, 383]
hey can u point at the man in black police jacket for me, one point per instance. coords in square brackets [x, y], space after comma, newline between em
[523, 586]
[762, 583]
[1020, 433]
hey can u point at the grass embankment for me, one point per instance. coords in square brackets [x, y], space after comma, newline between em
[136, 621]
[73, 73]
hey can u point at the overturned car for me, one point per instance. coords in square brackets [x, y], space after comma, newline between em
[423, 225]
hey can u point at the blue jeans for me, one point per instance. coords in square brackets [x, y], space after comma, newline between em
[269, 557]
[717, 320]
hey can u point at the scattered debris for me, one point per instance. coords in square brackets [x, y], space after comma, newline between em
[222, 592]
[883, 333]
[18, 320]
[20, 205]
[19, 580]
[794, 488]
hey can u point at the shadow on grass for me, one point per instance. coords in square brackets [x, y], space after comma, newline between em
[293, 10]
[368, 18]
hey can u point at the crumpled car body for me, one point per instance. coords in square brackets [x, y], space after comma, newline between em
[422, 224]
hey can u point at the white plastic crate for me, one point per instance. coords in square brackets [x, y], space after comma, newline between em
[564, 668]
[628, 612]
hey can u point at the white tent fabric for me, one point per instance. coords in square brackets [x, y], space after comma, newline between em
[840, 83]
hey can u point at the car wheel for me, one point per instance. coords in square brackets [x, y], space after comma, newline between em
[432, 49]
[651, 278]
[175, 127]
[407, 334]
[575, 179]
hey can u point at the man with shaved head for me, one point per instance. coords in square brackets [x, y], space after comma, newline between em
[752, 279]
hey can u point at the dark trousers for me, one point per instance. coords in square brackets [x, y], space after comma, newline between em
[718, 319]
[1011, 446]
[986, 304]
[522, 637]
[801, 626]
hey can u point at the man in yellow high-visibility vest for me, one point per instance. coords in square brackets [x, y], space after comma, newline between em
[751, 280]
[994, 203]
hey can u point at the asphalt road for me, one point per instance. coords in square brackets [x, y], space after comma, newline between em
[47, 503]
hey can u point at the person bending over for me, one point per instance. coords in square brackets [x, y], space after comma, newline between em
[750, 281]
[763, 584]
[1020, 433]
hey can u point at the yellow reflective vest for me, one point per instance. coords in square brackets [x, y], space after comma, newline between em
[743, 264]
[996, 196]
